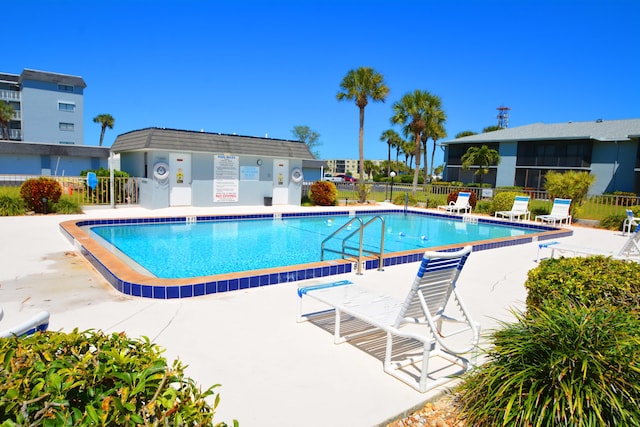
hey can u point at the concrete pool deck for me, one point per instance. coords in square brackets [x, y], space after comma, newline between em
[272, 370]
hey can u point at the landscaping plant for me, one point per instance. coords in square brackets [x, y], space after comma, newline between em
[576, 367]
[453, 196]
[573, 359]
[91, 378]
[503, 201]
[11, 205]
[323, 193]
[34, 191]
[569, 185]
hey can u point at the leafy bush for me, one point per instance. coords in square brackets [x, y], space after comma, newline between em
[323, 193]
[592, 281]
[569, 185]
[11, 205]
[575, 367]
[483, 206]
[399, 199]
[453, 196]
[89, 378]
[503, 201]
[34, 190]
[613, 222]
[67, 205]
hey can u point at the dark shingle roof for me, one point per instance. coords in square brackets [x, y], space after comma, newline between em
[9, 78]
[53, 149]
[45, 76]
[599, 130]
[205, 142]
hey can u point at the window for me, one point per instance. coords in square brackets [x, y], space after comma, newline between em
[65, 88]
[65, 126]
[66, 106]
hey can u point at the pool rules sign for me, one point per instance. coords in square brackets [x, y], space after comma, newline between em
[226, 178]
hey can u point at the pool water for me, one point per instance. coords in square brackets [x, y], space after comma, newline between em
[180, 250]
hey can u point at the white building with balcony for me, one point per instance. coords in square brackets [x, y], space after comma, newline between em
[46, 132]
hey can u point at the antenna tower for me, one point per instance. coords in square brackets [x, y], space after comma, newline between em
[503, 116]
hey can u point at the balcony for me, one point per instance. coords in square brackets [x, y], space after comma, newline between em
[9, 95]
[15, 134]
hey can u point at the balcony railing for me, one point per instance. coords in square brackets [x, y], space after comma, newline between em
[9, 95]
[15, 134]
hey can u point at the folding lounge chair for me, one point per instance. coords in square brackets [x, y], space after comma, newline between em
[519, 209]
[629, 222]
[461, 203]
[39, 322]
[559, 212]
[432, 293]
[630, 250]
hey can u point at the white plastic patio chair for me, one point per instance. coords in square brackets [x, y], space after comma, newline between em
[432, 305]
[629, 222]
[519, 209]
[559, 212]
[39, 322]
[629, 251]
[461, 203]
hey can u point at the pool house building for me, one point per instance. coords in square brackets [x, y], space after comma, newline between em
[190, 168]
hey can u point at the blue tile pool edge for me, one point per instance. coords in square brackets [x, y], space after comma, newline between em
[198, 286]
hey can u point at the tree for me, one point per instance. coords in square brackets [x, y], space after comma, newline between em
[309, 137]
[482, 157]
[6, 113]
[393, 140]
[465, 133]
[106, 121]
[361, 85]
[435, 130]
[411, 112]
[369, 168]
[491, 129]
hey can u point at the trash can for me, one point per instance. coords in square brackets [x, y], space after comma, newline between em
[268, 201]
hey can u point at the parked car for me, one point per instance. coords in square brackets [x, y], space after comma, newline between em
[347, 178]
[333, 178]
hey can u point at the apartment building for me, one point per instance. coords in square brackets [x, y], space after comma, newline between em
[48, 107]
[46, 132]
[347, 166]
[607, 149]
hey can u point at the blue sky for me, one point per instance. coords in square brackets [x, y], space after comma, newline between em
[262, 67]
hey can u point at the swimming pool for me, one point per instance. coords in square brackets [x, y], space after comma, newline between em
[404, 242]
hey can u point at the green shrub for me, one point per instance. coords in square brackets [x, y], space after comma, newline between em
[613, 222]
[323, 193]
[483, 206]
[11, 205]
[67, 205]
[399, 199]
[89, 378]
[575, 367]
[453, 196]
[34, 190]
[503, 201]
[591, 281]
[569, 185]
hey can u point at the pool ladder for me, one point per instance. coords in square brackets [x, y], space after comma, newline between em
[359, 255]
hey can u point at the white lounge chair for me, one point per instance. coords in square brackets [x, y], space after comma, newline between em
[519, 209]
[431, 301]
[461, 203]
[559, 212]
[39, 322]
[629, 222]
[630, 250]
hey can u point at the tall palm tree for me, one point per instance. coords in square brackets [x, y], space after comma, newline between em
[6, 113]
[437, 132]
[411, 112]
[106, 121]
[393, 139]
[435, 119]
[360, 85]
[482, 157]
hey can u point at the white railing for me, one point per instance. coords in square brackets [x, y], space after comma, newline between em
[9, 95]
